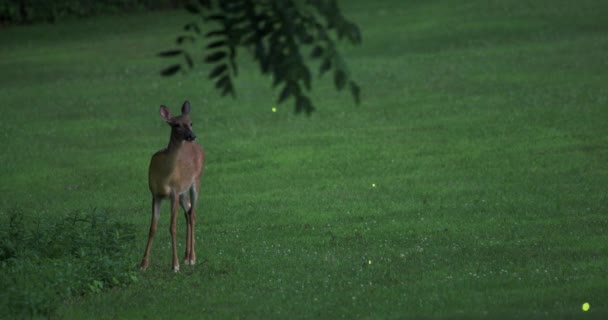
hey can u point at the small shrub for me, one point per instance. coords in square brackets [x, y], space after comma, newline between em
[43, 263]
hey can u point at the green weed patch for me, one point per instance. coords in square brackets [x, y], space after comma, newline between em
[45, 261]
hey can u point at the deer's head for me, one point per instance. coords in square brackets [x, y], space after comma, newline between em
[181, 126]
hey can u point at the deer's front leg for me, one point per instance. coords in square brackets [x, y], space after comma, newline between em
[173, 229]
[185, 204]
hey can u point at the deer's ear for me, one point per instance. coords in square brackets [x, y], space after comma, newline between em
[186, 107]
[165, 113]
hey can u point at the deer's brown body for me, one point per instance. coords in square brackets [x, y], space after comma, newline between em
[175, 174]
[175, 169]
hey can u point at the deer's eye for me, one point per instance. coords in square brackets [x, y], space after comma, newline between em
[191, 124]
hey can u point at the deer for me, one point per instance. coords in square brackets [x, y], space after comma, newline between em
[175, 174]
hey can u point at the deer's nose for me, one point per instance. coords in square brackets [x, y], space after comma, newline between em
[191, 137]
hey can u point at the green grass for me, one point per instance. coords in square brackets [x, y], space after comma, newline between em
[483, 127]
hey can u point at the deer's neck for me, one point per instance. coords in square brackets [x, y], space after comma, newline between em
[174, 144]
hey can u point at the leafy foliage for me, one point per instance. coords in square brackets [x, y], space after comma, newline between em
[281, 35]
[42, 263]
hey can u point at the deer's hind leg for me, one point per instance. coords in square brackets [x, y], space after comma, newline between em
[153, 225]
[173, 231]
[191, 217]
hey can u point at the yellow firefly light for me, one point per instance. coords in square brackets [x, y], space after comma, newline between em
[586, 306]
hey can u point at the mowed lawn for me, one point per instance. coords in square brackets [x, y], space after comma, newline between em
[472, 181]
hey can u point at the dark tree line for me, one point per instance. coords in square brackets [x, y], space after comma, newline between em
[30, 11]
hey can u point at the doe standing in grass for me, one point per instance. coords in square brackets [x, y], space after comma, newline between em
[175, 173]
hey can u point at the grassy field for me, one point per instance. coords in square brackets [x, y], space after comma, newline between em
[470, 183]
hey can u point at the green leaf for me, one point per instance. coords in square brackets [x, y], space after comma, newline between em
[354, 34]
[233, 65]
[170, 53]
[192, 8]
[182, 39]
[171, 70]
[355, 91]
[303, 35]
[223, 82]
[277, 77]
[303, 104]
[216, 44]
[234, 6]
[317, 52]
[250, 39]
[325, 66]
[305, 76]
[188, 60]
[285, 93]
[215, 57]
[192, 27]
[205, 3]
[217, 71]
[215, 33]
[228, 89]
[216, 17]
[339, 79]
